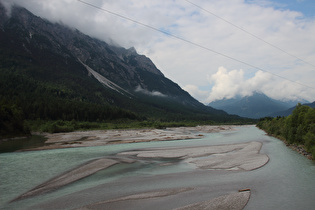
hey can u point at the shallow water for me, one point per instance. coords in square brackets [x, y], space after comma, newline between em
[12, 145]
[285, 182]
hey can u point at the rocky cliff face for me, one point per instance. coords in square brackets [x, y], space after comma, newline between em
[122, 66]
[69, 56]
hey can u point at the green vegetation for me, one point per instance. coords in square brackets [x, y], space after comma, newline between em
[45, 98]
[12, 121]
[58, 126]
[68, 126]
[297, 128]
[43, 86]
[51, 106]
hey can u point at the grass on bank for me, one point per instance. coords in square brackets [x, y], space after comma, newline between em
[69, 126]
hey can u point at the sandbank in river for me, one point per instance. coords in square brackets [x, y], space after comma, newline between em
[104, 137]
[229, 157]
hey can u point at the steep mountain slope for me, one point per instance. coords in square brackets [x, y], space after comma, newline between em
[51, 71]
[256, 106]
[289, 111]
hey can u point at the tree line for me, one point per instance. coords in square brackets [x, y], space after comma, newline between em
[297, 128]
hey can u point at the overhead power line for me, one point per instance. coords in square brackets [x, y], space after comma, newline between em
[253, 35]
[190, 42]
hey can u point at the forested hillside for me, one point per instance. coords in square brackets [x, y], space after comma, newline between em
[298, 128]
[50, 72]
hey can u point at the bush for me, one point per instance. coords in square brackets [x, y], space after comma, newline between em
[12, 121]
[298, 128]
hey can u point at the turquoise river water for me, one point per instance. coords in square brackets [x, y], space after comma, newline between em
[287, 181]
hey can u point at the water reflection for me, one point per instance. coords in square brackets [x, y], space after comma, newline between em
[11, 145]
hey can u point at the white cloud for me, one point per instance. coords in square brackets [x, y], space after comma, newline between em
[187, 64]
[229, 84]
[226, 84]
[151, 93]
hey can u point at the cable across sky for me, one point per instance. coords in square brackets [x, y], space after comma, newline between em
[193, 43]
[246, 31]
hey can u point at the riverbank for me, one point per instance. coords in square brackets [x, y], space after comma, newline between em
[296, 129]
[298, 148]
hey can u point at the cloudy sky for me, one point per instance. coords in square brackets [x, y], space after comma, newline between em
[213, 49]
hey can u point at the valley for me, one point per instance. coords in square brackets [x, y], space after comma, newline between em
[62, 75]
[88, 124]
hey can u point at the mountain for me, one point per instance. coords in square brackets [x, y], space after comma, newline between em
[255, 106]
[50, 71]
[289, 111]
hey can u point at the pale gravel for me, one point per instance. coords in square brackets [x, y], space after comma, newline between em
[140, 196]
[234, 201]
[243, 156]
[104, 137]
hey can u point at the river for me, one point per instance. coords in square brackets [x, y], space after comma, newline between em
[287, 181]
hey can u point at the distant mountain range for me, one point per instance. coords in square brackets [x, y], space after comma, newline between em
[51, 72]
[289, 111]
[255, 106]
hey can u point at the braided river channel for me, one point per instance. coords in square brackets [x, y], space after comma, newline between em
[285, 181]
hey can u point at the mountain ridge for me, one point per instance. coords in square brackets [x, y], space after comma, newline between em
[254, 106]
[47, 66]
[289, 111]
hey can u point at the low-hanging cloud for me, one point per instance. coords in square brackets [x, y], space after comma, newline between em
[228, 84]
[151, 93]
[188, 65]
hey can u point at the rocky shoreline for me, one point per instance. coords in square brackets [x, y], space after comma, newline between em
[300, 149]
